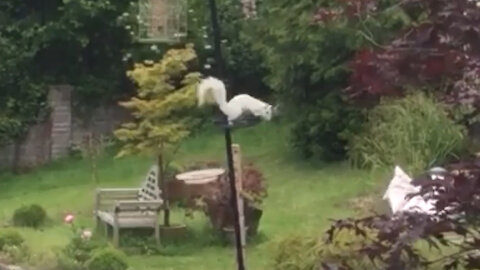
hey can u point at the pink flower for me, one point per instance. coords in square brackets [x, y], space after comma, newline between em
[69, 219]
[86, 234]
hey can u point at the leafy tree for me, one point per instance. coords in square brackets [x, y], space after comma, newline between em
[306, 47]
[79, 42]
[440, 51]
[162, 107]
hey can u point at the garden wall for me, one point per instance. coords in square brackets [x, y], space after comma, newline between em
[64, 128]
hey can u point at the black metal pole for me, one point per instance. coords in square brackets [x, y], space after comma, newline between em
[228, 137]
[217, 42]
[234, 201]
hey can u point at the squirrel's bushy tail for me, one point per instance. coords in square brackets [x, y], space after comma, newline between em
[211, 90]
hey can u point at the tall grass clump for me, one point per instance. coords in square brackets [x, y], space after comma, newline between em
[414, 132]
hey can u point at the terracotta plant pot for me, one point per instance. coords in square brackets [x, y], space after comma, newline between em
[217, 215]
[252, 219]
[218, 207]
[173, 232]
[229, 234]
[222, 217]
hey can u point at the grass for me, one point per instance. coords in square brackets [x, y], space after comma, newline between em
[303, 197]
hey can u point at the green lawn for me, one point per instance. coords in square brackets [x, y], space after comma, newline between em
[302, 198]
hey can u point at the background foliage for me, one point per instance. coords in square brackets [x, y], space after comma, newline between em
[55, 42]
[306, 47]
[439, 51]
[324, 59]
[243, 64]
[414, 132]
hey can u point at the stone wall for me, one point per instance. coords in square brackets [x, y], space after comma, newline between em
[53, 138]
[103, 121]
[7, 156]
[60, 100]
[35, 150]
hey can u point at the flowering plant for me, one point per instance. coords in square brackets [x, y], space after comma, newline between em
[81, 247]
[83, 233]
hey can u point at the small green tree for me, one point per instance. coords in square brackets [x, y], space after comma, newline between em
[161, 110]
[92, 148]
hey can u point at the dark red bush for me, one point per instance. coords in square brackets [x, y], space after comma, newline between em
[435, 52]
[218, 204]
[390, 241]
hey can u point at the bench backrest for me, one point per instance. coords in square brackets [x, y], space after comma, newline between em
[150, 188]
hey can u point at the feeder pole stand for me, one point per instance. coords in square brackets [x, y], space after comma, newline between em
[228, 136]
[217, 43]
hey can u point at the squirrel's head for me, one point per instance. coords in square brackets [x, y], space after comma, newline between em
[270, 112]
[267, 112]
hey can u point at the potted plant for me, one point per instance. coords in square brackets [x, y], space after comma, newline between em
[161, 110]
[218, 205]
[254, 192]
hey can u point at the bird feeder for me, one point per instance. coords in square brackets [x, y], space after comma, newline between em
[249, 8]
[162, 21]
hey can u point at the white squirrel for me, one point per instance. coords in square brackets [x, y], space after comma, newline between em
[212, 90]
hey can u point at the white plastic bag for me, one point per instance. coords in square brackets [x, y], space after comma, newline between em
[397, 195]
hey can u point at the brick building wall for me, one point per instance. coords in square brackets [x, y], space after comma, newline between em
[53, 138]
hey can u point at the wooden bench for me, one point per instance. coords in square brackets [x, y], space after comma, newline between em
[121, 209]
[124, 208]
